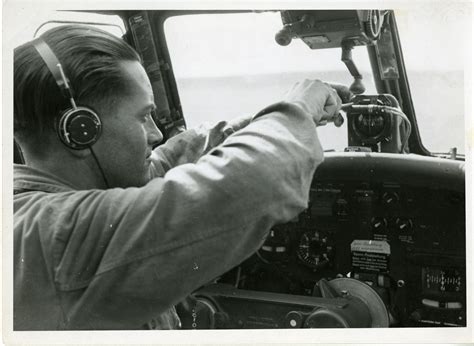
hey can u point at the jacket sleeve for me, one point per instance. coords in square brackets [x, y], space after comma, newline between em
[129, 254]
[190, 145]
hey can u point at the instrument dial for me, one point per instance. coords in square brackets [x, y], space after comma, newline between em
[275, 247]
[315, 249]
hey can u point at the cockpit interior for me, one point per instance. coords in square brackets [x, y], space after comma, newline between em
[382, 242]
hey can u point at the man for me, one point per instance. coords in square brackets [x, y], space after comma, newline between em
[115, 233]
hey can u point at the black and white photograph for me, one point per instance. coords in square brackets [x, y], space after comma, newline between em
[240, 172]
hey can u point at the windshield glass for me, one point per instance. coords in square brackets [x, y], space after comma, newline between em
[229, 65]
[434, 38]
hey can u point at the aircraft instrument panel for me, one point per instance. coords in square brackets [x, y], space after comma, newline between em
[395, 223]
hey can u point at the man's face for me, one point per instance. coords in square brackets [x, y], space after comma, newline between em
[129, 132]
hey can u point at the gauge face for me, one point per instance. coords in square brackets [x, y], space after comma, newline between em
[274, 249]
[370, 125]
[314, 249]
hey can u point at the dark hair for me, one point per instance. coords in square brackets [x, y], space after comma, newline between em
[90, 58]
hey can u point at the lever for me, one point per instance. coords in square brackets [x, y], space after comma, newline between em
[357, 87]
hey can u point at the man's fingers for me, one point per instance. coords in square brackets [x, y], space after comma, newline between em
[344, 93]
[337, 98]
[333, 104]
[321, 100]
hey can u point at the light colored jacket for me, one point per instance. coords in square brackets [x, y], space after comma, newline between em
[117, 258]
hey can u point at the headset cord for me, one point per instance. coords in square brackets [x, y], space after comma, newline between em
[100, 168]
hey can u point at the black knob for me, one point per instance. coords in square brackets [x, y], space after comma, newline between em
[404, 225]
[294, 319]
[357, 87]
[283, 37]
[390, 198]
[379, 224]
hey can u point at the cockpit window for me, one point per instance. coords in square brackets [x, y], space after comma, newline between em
[229, 65]
[434, 40]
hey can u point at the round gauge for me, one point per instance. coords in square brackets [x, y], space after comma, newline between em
[274, 249]
[370, 125]
[314, 249]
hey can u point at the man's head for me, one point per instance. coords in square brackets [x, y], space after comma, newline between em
[106, 76]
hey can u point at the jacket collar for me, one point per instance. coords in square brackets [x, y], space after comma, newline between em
[28, 178]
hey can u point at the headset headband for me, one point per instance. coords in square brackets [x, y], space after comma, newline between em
[55, 68]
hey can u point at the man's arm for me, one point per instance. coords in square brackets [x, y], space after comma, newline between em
[190, 145]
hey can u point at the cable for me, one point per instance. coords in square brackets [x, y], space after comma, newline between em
[402, 115]
[100, 168]
[407, 123]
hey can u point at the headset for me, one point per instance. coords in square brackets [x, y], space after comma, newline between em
[77, 127]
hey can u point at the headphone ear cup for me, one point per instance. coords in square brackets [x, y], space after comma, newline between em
[79, 128]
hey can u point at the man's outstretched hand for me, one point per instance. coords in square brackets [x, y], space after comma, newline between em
[345, 95]
[321, 100]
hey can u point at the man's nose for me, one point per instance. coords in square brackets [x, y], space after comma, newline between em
[154, 134]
